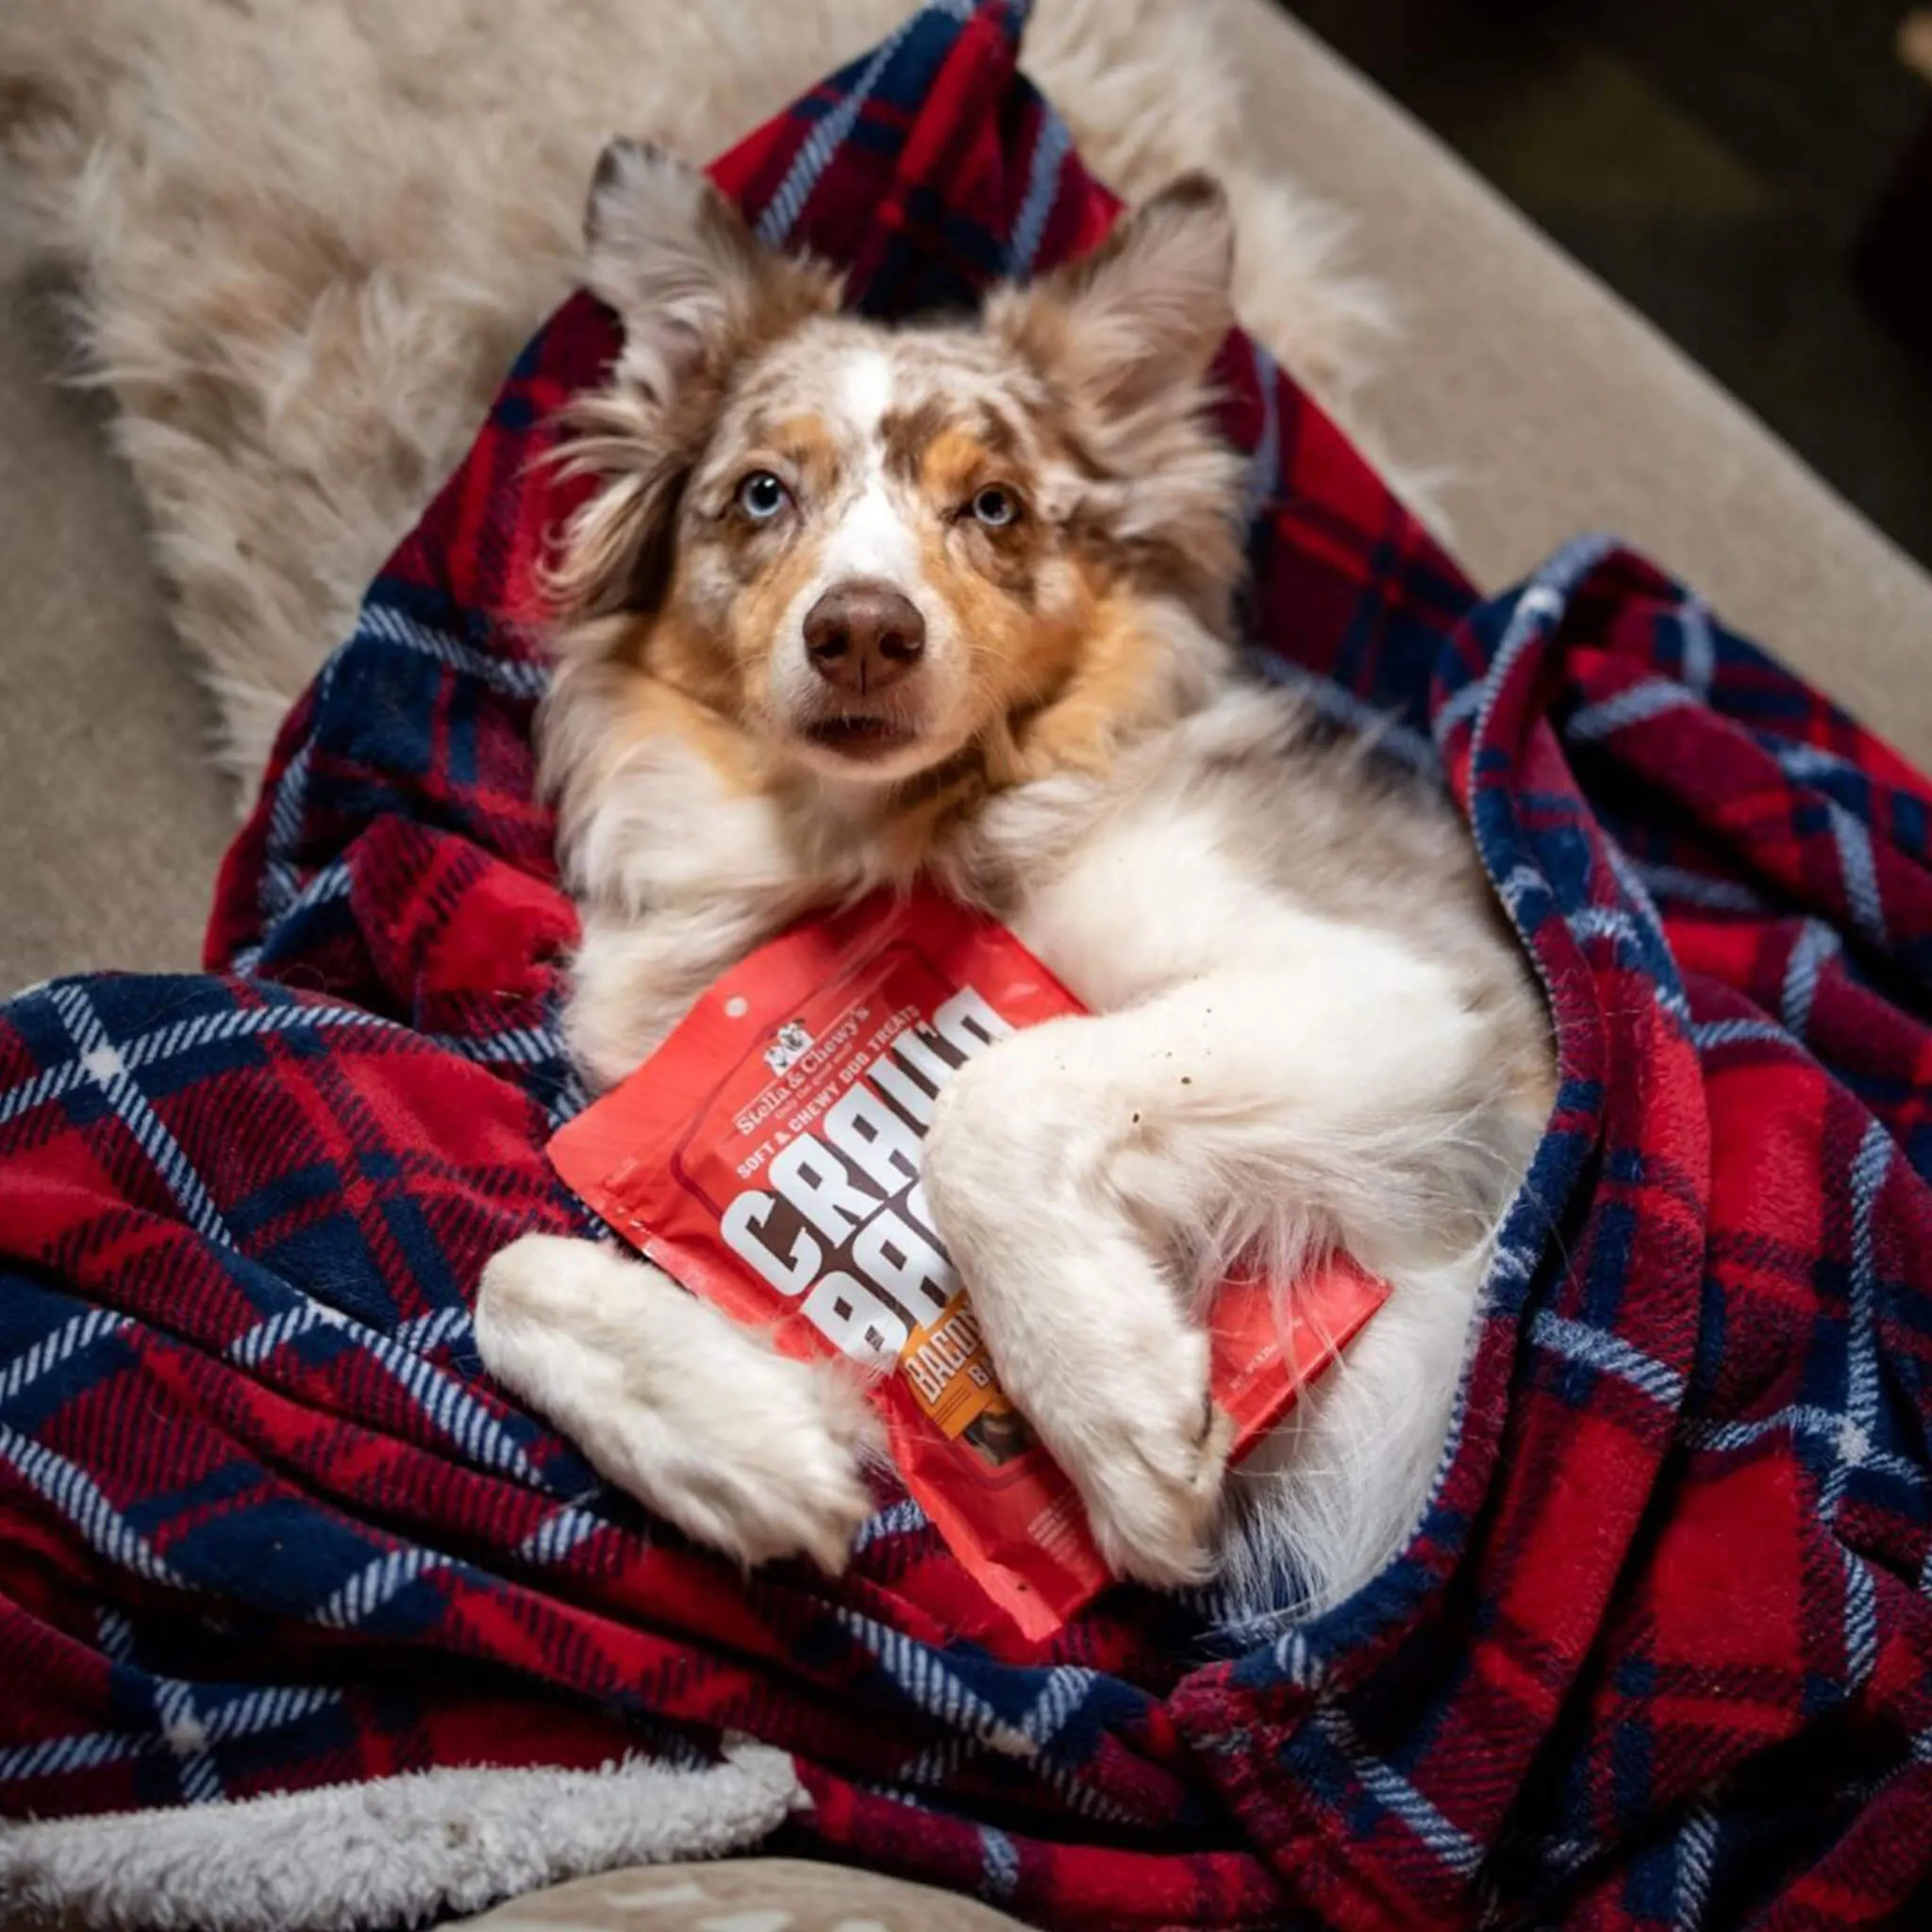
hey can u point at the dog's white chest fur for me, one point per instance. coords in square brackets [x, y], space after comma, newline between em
[1155, 895]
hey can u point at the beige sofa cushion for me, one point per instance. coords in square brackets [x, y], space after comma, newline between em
[1556, 410]
[741, 1895]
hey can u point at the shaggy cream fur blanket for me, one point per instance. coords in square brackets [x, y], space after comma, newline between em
[308, 235]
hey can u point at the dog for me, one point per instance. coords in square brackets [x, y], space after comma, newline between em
[851, 605]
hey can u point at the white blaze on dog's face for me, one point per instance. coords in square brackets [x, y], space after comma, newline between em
[872, 549]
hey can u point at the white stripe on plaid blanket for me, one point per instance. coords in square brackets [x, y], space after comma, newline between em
[80, 1499]
[776, 223]
[374, 1584]
[1261, 481]
[102, 1060]
[82, 1751]
[1399, 1797]
[213, 1029]
[1870, 1167]
[1641, 703]
[517, 677]
[1816, 944]
[563, 1530]
[1050, 150]
[1610, 1355]
[1696, 888]
[933, 1686]
[448, 1403]
[149, 1049]
[250, 1716]
[187, 1741]
[1831, 1427]
[50, 1351]
[50, 1083]
[285, 808]
[1858, 869]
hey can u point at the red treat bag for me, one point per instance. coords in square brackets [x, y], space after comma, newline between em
[768, 1156]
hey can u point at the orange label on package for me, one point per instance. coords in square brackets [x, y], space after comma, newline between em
[768, 1156]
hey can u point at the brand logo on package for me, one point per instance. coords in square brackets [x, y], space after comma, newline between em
[792, 1042]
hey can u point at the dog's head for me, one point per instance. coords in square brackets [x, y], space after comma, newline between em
[877, 549]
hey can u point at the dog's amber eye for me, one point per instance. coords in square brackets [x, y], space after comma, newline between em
[761, 496]
[995, 508]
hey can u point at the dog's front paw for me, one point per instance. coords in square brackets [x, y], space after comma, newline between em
[776, 1471]
[1085, 1330]
[746, 1451]
[1148, 1452]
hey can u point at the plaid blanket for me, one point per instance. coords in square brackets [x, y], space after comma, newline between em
[1660, 1653]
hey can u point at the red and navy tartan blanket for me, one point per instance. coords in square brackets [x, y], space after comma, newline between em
[1660, 1653]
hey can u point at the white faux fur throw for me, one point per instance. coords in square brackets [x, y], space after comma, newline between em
[402, 1851]
[310, 234]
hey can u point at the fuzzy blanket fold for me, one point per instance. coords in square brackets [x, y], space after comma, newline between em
[1660, 1652]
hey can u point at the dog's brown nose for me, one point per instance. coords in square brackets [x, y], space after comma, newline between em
[863, 636]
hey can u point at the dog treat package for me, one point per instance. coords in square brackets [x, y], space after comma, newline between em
[768, 1156]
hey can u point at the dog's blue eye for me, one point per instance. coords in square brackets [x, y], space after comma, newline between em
[996, 507]
[761, 496]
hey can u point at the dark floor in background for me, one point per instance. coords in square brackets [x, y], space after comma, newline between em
[1714, 161]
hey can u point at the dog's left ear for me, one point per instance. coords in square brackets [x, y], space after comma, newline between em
[688, 279]
[1139, 319]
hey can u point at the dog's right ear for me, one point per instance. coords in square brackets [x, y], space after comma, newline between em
[690, 282]
[695, 290]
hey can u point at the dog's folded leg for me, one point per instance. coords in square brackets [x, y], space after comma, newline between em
[1086, 1173]
[1086, 1330]
[743, 1449]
